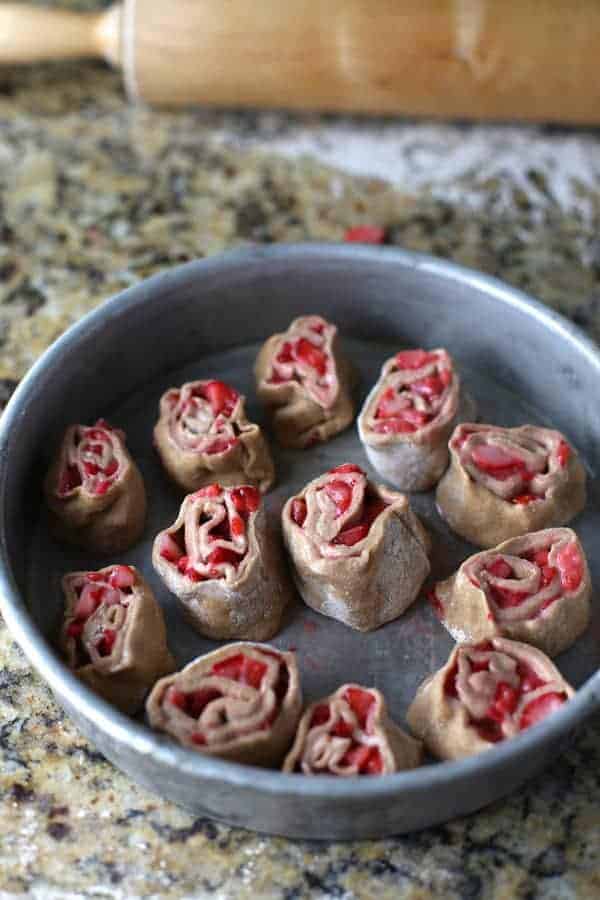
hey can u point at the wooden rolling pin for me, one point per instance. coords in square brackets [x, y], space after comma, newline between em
[486, 59]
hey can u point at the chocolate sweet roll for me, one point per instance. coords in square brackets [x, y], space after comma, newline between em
[203, 435]
[359, 552]
[485, 693]
[306, 382]
[503, 482]
[535, 588]
[241, 702]
[224, 564]
[350, 733]
[114, 636]
[95, 491]
[409, 415]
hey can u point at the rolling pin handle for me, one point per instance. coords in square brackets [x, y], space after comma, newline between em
[31, 34]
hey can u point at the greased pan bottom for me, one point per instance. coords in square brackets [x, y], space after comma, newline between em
[207, 319]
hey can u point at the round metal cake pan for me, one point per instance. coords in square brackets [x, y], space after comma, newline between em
[523, 362]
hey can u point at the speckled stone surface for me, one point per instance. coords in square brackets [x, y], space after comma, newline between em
[95, 195]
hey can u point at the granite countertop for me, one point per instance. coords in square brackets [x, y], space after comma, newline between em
[95, 195]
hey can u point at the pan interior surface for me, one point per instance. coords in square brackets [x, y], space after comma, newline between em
[208, 319]
[395, 658]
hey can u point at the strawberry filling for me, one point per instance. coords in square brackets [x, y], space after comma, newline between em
[352, 535]
[172, 545]
[502, 463]
[365, 234]
[240, 668]
[569, 566]
[302, 357]
[366, 758]
[507, 697]
[200, 416]
[407, 407]
[340, 492]
[90, 460]
[541, 707]
[110, 588]
[298, 511]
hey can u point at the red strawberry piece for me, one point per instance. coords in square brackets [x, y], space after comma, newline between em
[360, 756]
[365, 234]
[298, 511]
[549, 573]
[414, 359]
[95, 576]
[320, 715]
[102, 487]
[530, 680]
[253, 672]
[176, 697]
[500, 568]
[183, 563]
[563, 453]
[361, 702]
[231, 667]
[237, 526]
[69, 480]
[97, 434]
[197, 701]
[222, 555]
[221, 397]
[428, 387]
[491, 458]
[90, 468]
[311, 355]
[346, 469]
[351, 536]
[74, 629]
[111, 468]
[541, 707]
[122, 577]
[285, 355]
[540, 558]
[198, 738]
[88, 602]
[570, 566]
[414, 417]
[209, 490]
[504, 703]
[340, 494]
[342, 729]
[106, 642]
[169, 548]
[246, 499]
[373, 765]
[221, 445]
[506, 598]
[446, 377]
